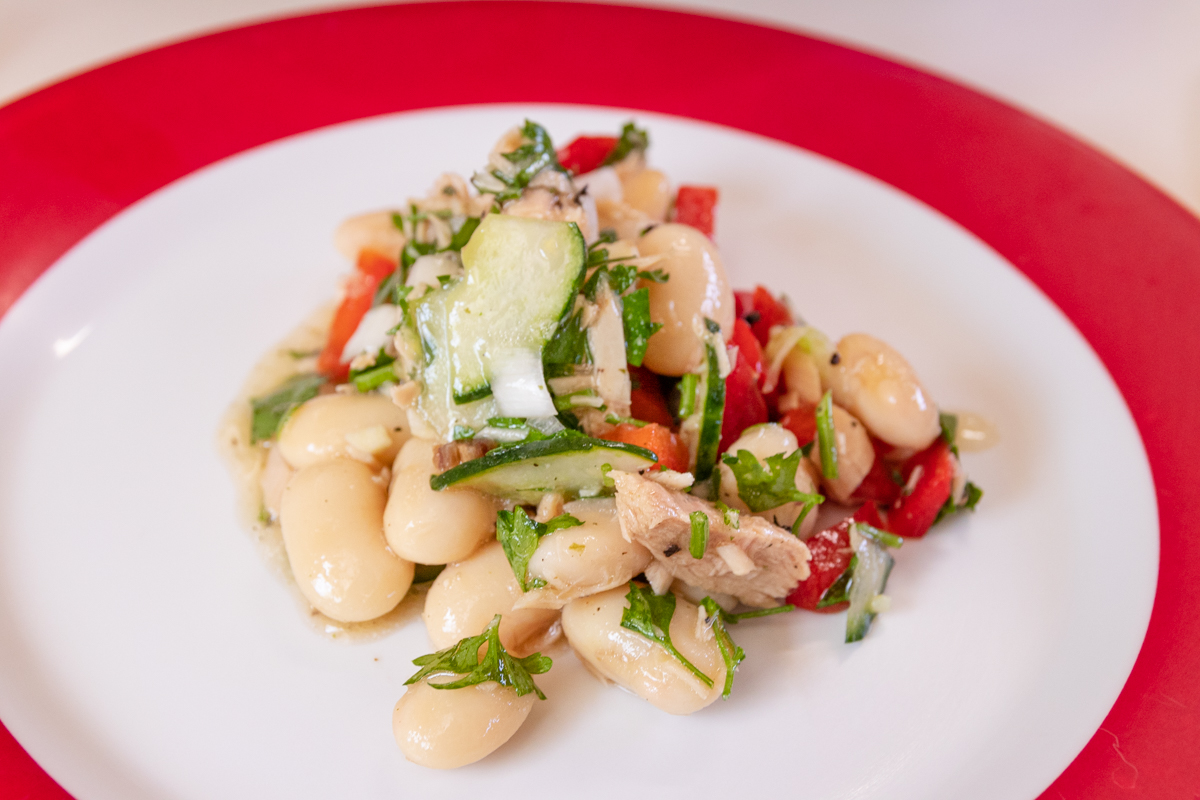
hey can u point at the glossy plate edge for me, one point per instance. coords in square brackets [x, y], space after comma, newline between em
[1116, 255]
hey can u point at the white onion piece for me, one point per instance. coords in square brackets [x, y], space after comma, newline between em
[372, 333]
[519, 385]
[426, 269]
[602, 184]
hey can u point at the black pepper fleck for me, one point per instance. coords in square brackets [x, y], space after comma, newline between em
[835, 359]
[672, 550]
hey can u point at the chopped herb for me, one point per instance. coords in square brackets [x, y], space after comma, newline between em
[371, 379]
[387, 289]
[632, 139]
[711, 325]
[635, 314]
[731, 516]
[607, 236]
[613, 419]
[687, 394]
[699, 542]
[971, 497]
[730, 652]
[299, 354]
[806, 449]
[462, 432]
[264, 516]
[839, 590]
[446, 280]
[708, 444]
[495, 665]
[508, 422]
[879, 537]
[826, 437]
[949, 423]
[619, 277]
[519, 535]
[535, 154]
[650, 615]
[568, 348]
[770, 487]
[734, 619]
[270, 412]
[814, 501]
[463, 234]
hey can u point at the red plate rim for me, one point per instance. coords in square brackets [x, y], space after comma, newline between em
[1116, 255]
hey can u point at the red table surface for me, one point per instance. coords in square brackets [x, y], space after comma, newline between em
[1116, 255]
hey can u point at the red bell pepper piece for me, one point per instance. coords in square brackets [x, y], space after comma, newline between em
[771, 312]
[801, 421]
[831, 555]
[744, 403]
[696, 206]
[878, 485]
[648, 404]
[672, 452]
[371, 269]
[911, 516]
[586, 153]
[748, 347]
[743, 303]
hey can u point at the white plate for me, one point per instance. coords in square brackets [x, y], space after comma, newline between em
[149, 653]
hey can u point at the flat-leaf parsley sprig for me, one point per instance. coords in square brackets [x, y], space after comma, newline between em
[495, 665]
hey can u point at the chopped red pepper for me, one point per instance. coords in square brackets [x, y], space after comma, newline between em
[748, 347]
[586, 153]
[879, 485]
[672, 452]
[372, 269]
[649, 404]
[771, 312]
[831, 555]
[801, 421]
[744, 403]
[696, 206]
[911, 516]
[743, 303]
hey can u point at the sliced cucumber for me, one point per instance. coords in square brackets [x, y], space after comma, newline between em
[873, 564]
[521, 276]
[569, 463]
[711, 411]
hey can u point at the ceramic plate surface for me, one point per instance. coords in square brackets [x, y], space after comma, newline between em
[147, 651]
[147, 620]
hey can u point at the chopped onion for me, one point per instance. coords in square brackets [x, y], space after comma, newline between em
[372, 333]
[602, 184]
[519, 385]
[737, 560]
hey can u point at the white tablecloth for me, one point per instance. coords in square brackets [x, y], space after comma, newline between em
[1123, 75]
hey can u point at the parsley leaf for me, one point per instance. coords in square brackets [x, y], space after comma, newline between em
[650, 615]
[771, 487]
[699, 542]
[535, 154]
[567, 348]
[270, 412]
[519, 535]
[730, 652]
[731, 516]
[949, 423]
[826, 437]
[972, 494]
[495, 665]
[734, 619]
[374, 376]
[839, 590]
[635, 315]
[632, 139]
[884, 538]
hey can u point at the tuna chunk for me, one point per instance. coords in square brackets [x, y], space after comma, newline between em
[757, 563]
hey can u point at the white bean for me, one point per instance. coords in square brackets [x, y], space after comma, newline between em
[317, 430]
[593, 627]
[855, 455]
[649, 191]
[802, 379]
[589, 558]
[696, 288]
[467, 595]
[449, 728]
[372, 231]
[875, 383]
[332, 520]
[763, 441]
[433, 527]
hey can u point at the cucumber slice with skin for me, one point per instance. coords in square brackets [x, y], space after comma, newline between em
[521, 275]
[711, 411]
[573, 465]
[874, 564]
